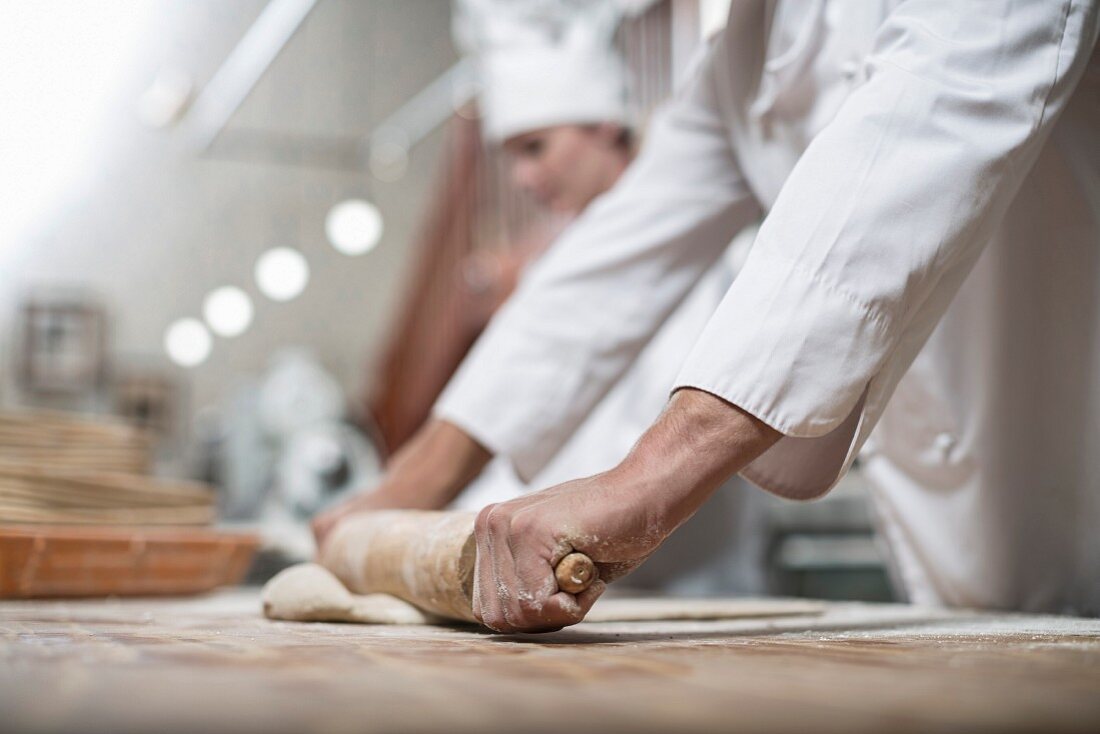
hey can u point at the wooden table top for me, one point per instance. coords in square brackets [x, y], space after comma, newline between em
[214, 664]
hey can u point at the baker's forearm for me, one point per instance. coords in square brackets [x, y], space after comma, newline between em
[698, 442]
[617, 518]
[436, 464]
[426, 474]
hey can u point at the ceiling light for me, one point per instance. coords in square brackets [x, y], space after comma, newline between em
[354, 226]
[282, 273]
[187, 342]
[228, 311]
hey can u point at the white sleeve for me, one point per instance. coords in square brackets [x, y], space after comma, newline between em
[583, 313]
[888, 208]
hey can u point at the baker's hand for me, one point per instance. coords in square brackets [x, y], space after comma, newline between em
[617, 518]
[519, 543]
[426, 474]
[386, 496]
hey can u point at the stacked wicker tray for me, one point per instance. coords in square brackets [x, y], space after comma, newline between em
[61, 441]
[61, 469]
[81, 516]
[40, 493]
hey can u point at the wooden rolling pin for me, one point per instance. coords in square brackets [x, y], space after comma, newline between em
[425, 558]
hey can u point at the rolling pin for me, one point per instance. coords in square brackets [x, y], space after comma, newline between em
[426, 558]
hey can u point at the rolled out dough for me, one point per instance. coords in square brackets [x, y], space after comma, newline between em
[310, 593]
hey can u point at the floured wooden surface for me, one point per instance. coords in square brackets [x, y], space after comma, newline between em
[655, 610]
[215, 664]
[309, 593]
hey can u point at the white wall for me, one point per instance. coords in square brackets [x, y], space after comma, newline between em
[151, 227]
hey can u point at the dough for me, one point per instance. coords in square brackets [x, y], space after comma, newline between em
[309, 593]
[425, 557]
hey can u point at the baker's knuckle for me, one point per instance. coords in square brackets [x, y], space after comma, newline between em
[481, 522]
[499, 521]
[529, 608]
[523, 524]
[501, 623]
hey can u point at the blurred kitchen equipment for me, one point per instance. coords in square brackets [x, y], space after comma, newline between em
[322, 463]
[828, 548]
[146, 399]
[64, 347]
[321, 459]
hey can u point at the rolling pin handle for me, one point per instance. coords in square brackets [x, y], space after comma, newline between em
[575, 573]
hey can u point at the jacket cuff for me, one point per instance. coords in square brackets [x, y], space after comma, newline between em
[789, 347]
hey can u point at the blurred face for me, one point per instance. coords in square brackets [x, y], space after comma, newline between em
[567, 166]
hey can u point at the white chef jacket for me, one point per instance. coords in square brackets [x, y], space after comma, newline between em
[720, 551]
[886, 141]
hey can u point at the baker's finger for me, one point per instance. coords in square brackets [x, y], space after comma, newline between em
[480, 604]
[475, 600]
[563, 609]
[534, 583]
[488, 593]
[559, 610]
[513, 589]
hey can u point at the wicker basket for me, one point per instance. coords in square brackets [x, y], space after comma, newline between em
[52, 561]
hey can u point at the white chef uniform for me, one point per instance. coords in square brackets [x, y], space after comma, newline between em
[532, 82]
[889, 143]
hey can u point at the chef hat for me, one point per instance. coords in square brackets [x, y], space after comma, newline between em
[531, 88]
[544, 64]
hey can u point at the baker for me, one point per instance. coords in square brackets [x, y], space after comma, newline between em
[554, 96]
[930, 181]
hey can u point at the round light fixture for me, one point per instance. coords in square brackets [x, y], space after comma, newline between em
[354, 226]
[187, 342]
[282, 273]
[228, 311]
